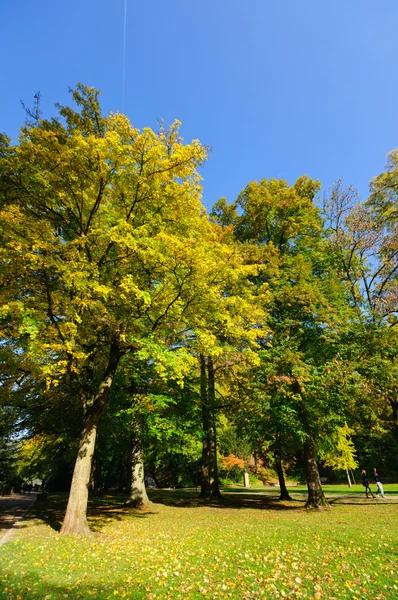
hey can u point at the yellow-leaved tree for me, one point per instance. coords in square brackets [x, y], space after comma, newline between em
[104, 247]
[342, 455]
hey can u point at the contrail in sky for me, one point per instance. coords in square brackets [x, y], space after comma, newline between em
[124, 55]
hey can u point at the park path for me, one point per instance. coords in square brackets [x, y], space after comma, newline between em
[12, 510]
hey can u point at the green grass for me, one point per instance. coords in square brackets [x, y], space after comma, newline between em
[336, 489]
[247, 546]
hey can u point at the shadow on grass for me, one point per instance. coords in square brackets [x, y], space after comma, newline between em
[242, 499]
[350, 501]
[100, 511]
[12, 508]
[231, 500]
[22, 586]
[111, 508]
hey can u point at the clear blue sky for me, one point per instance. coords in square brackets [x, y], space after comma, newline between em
[277, 88]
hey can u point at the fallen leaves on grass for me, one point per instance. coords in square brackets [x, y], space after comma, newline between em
[208, 552]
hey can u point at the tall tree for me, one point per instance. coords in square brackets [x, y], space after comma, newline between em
[364, 240]
[101, 229]
[282, 229]
[364, 237]
[209, 485]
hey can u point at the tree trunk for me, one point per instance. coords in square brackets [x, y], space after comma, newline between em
[75, 521]
[209, 484]
[316, 497]
[215, 490]
[281, 476]
[138, 496]
[205, 474]
[96, 484]
[394, 407]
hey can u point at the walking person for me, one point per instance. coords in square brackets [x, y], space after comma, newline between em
[379, 484]
[365, 483]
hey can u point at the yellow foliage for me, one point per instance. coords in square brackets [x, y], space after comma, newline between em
[343, 455]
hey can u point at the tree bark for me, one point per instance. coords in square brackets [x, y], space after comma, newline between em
[394, 407]
[209, 484]
[205, 474]
[316, 497]
[215, 490]
[95, 487]
[281, 476]
[75, 521]
[138, 496]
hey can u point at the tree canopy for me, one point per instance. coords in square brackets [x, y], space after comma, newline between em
[127, 309]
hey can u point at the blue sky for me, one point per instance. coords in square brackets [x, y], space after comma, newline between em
[277, 88]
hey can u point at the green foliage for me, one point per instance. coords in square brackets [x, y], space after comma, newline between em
[38, 457]
[286, 395]
[113, 273]
[8, 470]
[229, 442]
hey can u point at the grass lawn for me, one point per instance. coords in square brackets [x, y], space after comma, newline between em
[247, 546]
[390, 489]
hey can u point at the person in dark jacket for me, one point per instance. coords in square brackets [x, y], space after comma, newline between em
[379, 484]
[365, 483]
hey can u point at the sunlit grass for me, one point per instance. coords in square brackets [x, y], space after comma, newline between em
[339, 489]
[244, 547]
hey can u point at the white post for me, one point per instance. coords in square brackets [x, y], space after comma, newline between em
[348, 477]
[246, 479]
